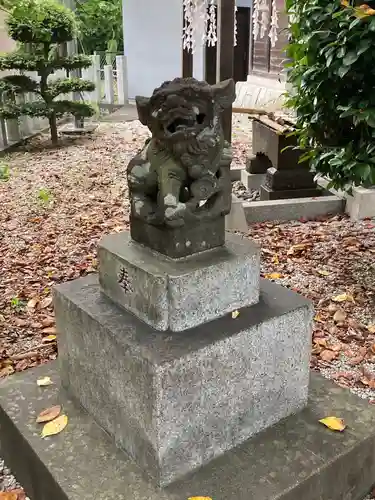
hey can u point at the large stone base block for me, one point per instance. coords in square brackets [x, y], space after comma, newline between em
[297, 459]
[179, 294]
[176, 401]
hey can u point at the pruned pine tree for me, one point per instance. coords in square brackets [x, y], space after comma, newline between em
[42, 28]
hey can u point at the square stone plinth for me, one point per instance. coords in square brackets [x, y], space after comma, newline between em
[179, 294]
[175, 401]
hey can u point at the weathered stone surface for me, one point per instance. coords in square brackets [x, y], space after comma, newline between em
[178, 295]
[176, 401]
[295, 459]
[258, 163]
[182, 176]
[284, 180]
[272, 194]
[272, 144]
[178, 242]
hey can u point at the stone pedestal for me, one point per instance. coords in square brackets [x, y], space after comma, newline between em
[179, 294]
[174, 401]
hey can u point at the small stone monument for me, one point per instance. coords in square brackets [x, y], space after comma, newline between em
[276, 154]
[179, 350]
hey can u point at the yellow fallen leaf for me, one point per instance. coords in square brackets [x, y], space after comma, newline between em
[333, 423]
[8, 495]
[371, 328]
[275, 259]
[235, 314]
[345, 3]
[199, 498]
[273, 276]
[49, 338]
[48, 414]
[343, 297]
[319, 319]
[55, 427]
[44, 381]
[323, 273]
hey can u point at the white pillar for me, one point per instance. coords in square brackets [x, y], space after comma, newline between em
[96, 74]
[122, 79]
[108, 84]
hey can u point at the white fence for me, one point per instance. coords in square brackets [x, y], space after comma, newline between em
[110, 89]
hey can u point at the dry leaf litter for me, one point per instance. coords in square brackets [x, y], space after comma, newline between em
[57, 203]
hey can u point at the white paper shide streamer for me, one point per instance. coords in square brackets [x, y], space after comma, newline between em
[265, 20]
[274, 24]
[200, 24]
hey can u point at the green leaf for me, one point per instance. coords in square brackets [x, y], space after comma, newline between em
[350, 58]
[343, 70]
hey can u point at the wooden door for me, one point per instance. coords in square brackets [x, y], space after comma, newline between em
[241, 50]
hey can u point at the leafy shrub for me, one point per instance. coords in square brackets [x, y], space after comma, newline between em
[43, 25]
[332, 71]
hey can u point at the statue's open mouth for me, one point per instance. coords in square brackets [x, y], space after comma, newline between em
[185, 124]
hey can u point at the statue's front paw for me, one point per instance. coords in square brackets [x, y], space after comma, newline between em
[175, 216]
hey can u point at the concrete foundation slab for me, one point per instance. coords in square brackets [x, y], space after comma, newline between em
[176, 401]
[296, 459]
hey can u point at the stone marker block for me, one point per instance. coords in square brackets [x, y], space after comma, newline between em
[296, 459]
[277, 147]
[176, 401]
[179, 294]
[271, 194]
[300, 178]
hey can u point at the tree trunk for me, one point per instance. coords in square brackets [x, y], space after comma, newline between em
[53, 128]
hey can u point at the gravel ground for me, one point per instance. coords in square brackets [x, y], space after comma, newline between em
[57, 203]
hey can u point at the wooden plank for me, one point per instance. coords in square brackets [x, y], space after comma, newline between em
[227, 56]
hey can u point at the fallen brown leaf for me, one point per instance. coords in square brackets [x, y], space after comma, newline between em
[45, 302]
[49, 414]
[20, 322]
[32, 303]
[50, 330]
[328, 355]
[339, 316]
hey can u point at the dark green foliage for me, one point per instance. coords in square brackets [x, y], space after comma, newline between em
[37, 62]
[18, 84]
[40, 109]
[45, 21]
[43, 25]
[332, 73]
[100, 25]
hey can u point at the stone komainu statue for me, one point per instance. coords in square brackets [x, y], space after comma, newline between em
[182, 175]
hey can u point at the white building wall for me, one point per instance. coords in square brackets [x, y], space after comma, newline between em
[153, 43]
